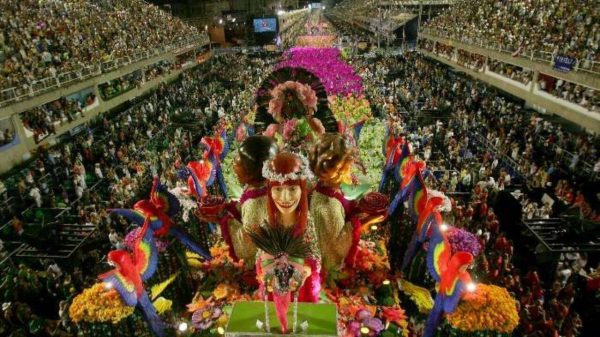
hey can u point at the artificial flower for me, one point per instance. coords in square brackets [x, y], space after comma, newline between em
[463, 241]
[420, 296]
[96, 304]
[337, 76]
[394, 315]
[162, 305]
[488, 308]
[204, 318]
[129, 240]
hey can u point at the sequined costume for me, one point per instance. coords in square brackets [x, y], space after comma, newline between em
[250, 210]
[335, 226]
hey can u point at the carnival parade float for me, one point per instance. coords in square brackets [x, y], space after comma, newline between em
[288, 224]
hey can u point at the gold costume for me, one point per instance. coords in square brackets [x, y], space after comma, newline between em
[334, 234]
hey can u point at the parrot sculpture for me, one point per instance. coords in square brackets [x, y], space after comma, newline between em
[393, 151]
[412, 188]
[159, 210]
[430, 217]
[357, 128]
[450, 272]
[217, 149]
[200, 175]
[131, 270]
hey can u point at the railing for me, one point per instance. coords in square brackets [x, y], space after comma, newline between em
[532, 55]
[38, 87]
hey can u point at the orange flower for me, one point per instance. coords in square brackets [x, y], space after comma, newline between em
[198, 303]
[489, 308]
[394, 314]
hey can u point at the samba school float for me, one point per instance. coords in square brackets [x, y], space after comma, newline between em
[311, 218]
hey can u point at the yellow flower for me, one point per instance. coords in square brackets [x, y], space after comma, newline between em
[162, 305]
[96, 304]
[221, 291]
[222, 320]
[489, 308]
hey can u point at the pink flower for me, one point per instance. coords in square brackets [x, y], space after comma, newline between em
[275, 106]
[310, 97]
[271, 130]
[289, 127]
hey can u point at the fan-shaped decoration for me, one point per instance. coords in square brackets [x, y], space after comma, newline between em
[263, 97]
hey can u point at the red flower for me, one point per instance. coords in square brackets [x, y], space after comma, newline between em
[393, 315]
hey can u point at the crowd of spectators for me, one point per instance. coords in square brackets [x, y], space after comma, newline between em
[567, 28]
[159, 69]
[41, 39]
[471, 60]
[574, 93]
[44, 120]
[107, 166]
[8, 134]
[513, 72]
[119, 86]
[488, 145]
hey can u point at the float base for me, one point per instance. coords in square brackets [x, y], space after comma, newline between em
[322, 320]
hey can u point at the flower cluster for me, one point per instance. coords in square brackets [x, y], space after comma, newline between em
[97, 305]
[463, 241]
[371, 156]
[337, 76]
[211, 207]
[205, 313]
[222, 269]
[350, 109]
[488, 308]
[209, 312]
[371, 266]
[229, 293]
[234, 189]
[305, 94]
[374, 203]
[161, 245]
[364, 318]
[420, 296]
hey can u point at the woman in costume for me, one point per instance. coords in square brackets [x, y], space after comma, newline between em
[338, 221]
[287, 207]
[338, 231]
[251, 209]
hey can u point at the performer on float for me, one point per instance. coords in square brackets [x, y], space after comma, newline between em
[338, 230]
[251, 209]
[287, 174]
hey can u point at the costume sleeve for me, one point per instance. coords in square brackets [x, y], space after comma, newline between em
[240, 246]
[311, 237]
[333, 232]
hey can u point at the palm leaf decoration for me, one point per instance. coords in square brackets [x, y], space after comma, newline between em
[277, 241]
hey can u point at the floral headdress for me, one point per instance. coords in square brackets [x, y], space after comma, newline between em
[303, 173]
[306, 95]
